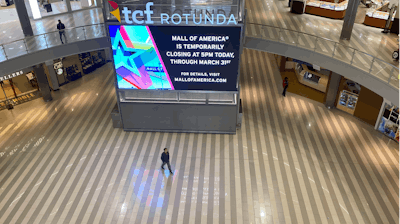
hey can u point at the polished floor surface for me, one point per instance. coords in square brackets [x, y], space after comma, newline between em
[364, 38]
[268, 12]
[80, 25]
[11, 28]
[293, 161]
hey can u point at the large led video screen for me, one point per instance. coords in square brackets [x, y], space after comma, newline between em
[176, 57]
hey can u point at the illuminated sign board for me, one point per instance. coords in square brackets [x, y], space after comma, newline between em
[144, 17]
[176, 57]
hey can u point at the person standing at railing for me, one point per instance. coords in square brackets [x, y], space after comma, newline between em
[61, 31]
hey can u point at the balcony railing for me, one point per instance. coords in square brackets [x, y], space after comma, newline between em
[364, 61]
[47, 40]
[374, 66]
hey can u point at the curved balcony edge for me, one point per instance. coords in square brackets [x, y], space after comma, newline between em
[371, 82]
[37, 57]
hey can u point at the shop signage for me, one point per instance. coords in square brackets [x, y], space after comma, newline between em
[137, 17]
[15, 74]
[58, 67]
[60, 71]
[316, 67]
[176, 57]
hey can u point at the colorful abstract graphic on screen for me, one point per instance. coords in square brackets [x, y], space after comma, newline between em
[137, 60]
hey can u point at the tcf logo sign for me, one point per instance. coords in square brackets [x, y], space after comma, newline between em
[116, 10]
[127, 12]
[131, 17]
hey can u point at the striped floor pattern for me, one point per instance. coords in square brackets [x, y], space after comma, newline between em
[292, 161]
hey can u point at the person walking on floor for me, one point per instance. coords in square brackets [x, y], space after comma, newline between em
[61, 31]
[165, 160]
[285, 86]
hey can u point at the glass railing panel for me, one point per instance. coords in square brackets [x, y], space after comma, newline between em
[324, 46]
[94, 31]
[15, 49]
[36, 43]
[187, 96]
[147, 95]
[343, 53]
[394, 79]
[2, 54]
[53, 39]
[306, 41]
[288, 37]
[76, 34]
[48, 40]
[362, 61]
[381, 70]
[271, 33]
[221, 97]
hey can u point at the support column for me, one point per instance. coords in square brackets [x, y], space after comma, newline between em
[42, 82]
[349, 19]
[378, 120]
[333, 88]
[283, 63]
[98, 3]
[23, 17]
[68, 2]
[51, 75]
[396, 22]
[109, 54]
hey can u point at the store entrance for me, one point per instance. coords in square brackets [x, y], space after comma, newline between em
[73, 67]
[20, 88]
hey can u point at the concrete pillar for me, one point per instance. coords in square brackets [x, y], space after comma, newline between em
[52, 76]
[396, 22]
[333, 87]
[378, 120]
[23, 17]
[109, 54]
[68, 2]
[98, 3]
[349, 19]
[43, 83]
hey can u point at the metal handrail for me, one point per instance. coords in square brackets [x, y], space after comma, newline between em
[2, 46]
[392, 67]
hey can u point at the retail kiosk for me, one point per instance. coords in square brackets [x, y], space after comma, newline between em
[335, 9]
[377, 17]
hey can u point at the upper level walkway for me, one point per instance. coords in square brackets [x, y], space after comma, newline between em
[365, 39]
[269, 12]
[367, 53]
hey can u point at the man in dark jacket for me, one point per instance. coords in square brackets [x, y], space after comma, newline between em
[165, 160]
[61, 31]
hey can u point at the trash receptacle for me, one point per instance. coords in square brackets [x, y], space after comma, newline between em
[48, 7]
[298, 6]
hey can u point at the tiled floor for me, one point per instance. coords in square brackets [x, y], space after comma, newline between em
[293, 161]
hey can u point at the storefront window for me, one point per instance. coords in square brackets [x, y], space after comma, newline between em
[390, 121]
[20, 88]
